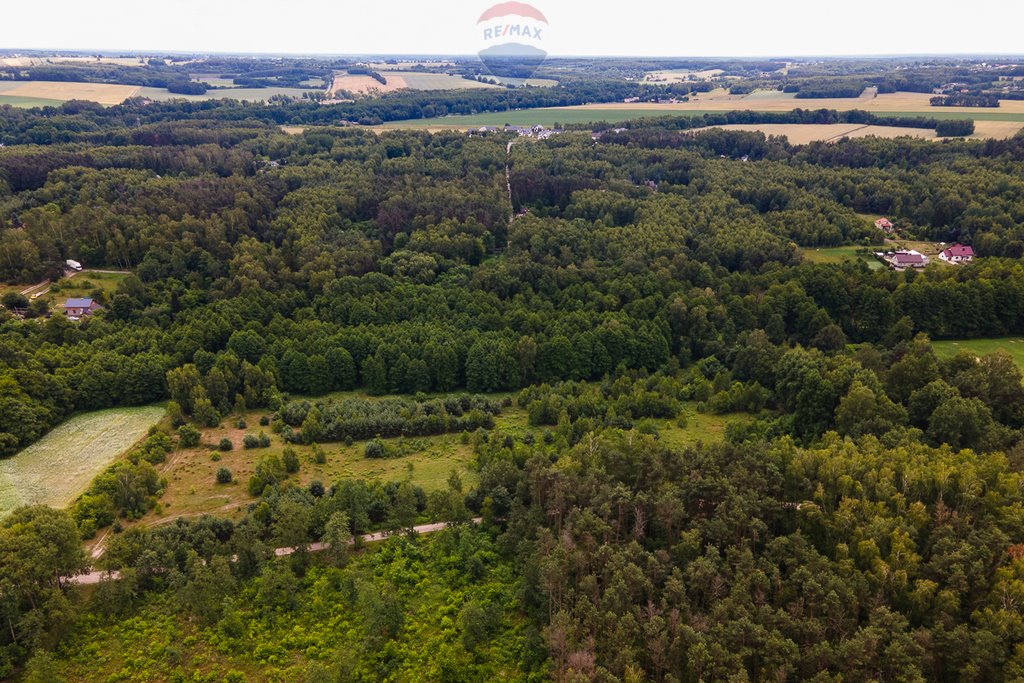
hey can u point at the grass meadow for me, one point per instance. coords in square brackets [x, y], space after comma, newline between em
[981, 347]
[56, 469]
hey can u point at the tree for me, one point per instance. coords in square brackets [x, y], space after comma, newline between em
[337, 536]
[403, 511]
[863, 411]
[224, 476]
[959, 422]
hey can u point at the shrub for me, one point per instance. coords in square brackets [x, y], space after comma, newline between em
[215, 456]
[375, 449]
[241, 423]
[264, 440]
[251, 441]
[224, 476]
[291, 461]
[319, 455]
[225, 444]
[188, 436]
[264, 420]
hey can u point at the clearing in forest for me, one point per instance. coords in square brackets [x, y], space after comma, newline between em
[57, 468]
[982, 347]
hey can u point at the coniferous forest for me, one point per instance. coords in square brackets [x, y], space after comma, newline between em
[864, 522]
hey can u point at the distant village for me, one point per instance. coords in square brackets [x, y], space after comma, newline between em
[538, 132]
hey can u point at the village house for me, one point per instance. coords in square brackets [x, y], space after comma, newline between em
[957, 253]
[77, 308]
[884, 225]
[901, 260]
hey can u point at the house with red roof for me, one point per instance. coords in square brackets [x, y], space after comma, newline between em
[957, 253]
[884, 225]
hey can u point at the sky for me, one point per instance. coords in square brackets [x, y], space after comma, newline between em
[575, 27]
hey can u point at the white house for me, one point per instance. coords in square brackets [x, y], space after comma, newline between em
[957, 253]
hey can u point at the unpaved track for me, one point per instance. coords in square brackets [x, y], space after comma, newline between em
[93, 578]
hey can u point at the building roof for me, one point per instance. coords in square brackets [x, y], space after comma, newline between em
[908, 257]
[883, 221]
[959, 251]
[78, 303]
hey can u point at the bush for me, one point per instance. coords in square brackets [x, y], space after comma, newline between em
[264, 420]
[291, 461]
[224, 476]
[251, 441]
[375, 449]
[241, 424]
[264, 440]
[215, 456]
[188, 436]
[319, 455]
[226, 445]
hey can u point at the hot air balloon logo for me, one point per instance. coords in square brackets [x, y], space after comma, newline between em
[513, 37]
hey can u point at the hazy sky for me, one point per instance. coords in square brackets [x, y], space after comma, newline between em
[740, 27]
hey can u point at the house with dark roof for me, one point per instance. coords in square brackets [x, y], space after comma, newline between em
[901, 260]
[957, 253]
[76, 308]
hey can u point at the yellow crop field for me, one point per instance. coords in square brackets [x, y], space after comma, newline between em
[103, 93]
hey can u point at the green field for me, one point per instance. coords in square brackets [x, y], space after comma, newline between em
[840, 255]
[981, 347]
[28, 102]
[57, 468]
[549, 116]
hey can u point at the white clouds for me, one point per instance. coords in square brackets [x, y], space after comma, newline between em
[741, 27]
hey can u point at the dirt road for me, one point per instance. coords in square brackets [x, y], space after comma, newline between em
[93, 578]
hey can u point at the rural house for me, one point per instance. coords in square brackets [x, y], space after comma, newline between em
[957, 253]
[884, 225]
[901, 260]
[76, 308]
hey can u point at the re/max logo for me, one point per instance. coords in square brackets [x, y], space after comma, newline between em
[509, 30]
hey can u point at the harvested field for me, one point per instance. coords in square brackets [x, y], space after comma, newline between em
[103, 93]
[364, 85]
[916, 104]
[802, 134]
[55, 470]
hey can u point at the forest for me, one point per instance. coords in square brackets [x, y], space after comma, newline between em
[864, 524]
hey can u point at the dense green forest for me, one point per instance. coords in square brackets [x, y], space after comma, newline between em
[865, 526]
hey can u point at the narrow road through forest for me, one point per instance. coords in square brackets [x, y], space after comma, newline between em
[93, 578]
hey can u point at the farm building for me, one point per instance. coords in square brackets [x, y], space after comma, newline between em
[76, 308]
[901, 260]
[884, 224]
[957, 253]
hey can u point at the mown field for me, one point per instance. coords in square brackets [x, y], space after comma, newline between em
[980, 347]
[56, 469]
[841, 255]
